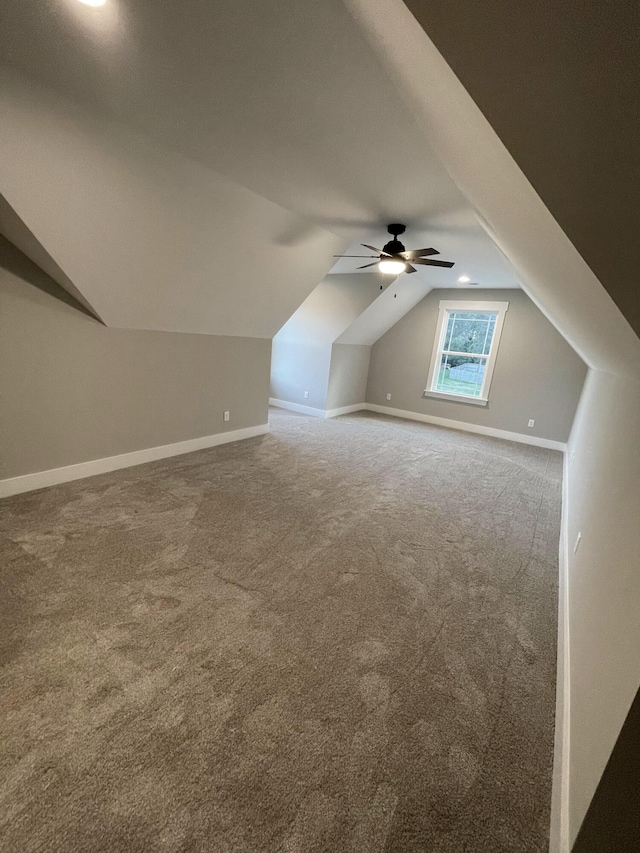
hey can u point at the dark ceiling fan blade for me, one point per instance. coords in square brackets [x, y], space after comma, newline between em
[355, 256]
[409, 268]
[373, 249]
[419, 253]
[375, 263]
[426, 263]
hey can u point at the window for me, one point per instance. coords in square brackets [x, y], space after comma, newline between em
[464, 351]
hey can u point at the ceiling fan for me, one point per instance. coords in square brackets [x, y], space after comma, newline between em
[394, 258]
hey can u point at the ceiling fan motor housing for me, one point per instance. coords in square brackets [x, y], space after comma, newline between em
[394, 247]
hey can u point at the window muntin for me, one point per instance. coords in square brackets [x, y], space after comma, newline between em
[465, 349]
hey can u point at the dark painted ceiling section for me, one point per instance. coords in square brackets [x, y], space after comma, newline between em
[559, 81]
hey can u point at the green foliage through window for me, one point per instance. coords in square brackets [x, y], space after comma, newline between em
[467, 332]
[470, 332]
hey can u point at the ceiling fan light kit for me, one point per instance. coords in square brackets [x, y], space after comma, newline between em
[394, 259]
[392, 267]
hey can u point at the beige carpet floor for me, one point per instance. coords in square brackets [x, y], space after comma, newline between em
[336, 637]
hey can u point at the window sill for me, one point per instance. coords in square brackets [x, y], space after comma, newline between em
[456, 398]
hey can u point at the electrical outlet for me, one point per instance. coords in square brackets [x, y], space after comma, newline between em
[306, 395]
[226, 416]
[532, 422]
[388, 396]
[578, 540]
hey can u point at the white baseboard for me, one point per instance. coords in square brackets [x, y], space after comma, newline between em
[463, 425]
[520, 437]
[345, 410]
[55, 476]
[316, 413]
[297, 407]
[559, 826]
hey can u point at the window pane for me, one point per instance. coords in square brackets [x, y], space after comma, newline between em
[447, 337]
[461, 374]
[489, 336]
[470, 332]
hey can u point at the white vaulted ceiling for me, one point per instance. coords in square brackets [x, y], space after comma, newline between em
[195, 168]
[150, 237]
[284, 97]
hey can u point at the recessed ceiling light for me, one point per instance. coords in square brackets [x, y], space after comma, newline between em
[93, 2]
[464, 279]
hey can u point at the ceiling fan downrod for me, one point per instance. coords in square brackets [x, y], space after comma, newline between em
[394, 247]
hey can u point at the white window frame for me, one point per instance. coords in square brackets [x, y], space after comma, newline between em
[447, 306]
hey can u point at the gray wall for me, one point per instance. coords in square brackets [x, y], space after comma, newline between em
[302, 352]
[348, 375]
[537, 374]
[603, 504]
[73, 390]
[299, 366]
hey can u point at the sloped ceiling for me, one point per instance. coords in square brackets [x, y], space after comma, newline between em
[330, 309]
[195, 167]
[13, 229]
[558, 80]
[396, 300]
[286, 98]
[551, 270]
[149, 237]
[25, 269]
